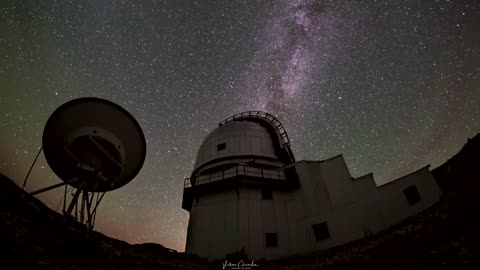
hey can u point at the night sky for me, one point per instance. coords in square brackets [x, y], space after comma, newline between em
[391, 85]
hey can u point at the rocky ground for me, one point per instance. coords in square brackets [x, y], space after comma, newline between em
[447, 236]
[34, 237]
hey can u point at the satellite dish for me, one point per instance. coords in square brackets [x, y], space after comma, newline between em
[94, 141]
[94, 146]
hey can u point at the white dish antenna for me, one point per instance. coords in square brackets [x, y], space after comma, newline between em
[94, 146]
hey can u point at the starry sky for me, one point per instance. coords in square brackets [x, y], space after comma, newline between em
[392, 85]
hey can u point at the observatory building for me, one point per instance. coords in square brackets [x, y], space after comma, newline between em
[247, 192]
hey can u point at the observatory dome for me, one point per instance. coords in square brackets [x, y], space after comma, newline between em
[243, 139]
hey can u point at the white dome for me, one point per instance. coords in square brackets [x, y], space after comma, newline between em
[238, 139]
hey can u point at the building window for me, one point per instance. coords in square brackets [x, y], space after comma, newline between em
[221, 146]
[321, 231]
[412, 195]
[267, 194]
[271, 239]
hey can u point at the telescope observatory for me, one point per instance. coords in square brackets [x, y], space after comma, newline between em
[247, 192]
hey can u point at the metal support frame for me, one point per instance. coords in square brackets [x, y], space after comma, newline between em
[84, 211]
[54, 186]
[31, 167]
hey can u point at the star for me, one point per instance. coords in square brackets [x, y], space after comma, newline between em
[391, 85]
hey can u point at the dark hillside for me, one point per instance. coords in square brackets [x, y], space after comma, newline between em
[34, 237]
[462, 171]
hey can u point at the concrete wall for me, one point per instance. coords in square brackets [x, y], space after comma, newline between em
[225, 222]
[222, 223]
[356, 207]
[395, 206]
[213, 228]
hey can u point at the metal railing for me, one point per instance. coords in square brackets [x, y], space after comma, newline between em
[282, 133]
[238, 170]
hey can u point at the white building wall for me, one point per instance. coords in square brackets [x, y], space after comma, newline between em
[356, 207]
[220, 222]
[396, 207]
[258, 217]
[225, 222]
[213, 228]
[369, 211]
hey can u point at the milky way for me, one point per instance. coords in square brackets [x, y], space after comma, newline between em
[392, 85]
[284, 60]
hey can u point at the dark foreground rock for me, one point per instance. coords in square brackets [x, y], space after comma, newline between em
[34, 237]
